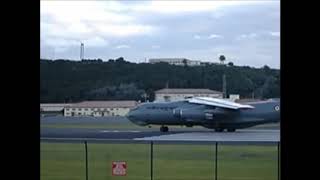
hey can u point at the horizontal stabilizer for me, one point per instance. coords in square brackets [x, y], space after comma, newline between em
[218, 103]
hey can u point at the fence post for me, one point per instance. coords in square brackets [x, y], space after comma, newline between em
[86, 150]
[278, 160]
[151, 160]
[216, 162]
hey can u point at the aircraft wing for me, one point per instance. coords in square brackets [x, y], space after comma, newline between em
[218, 103]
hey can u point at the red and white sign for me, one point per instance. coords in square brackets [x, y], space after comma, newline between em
[119, 168]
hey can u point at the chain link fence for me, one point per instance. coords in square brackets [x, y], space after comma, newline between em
[158, 160]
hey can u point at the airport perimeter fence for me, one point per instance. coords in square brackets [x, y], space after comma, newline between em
[158, 160]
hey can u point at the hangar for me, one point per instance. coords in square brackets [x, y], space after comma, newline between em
[99, 108]
[52, 108]
[168, 94]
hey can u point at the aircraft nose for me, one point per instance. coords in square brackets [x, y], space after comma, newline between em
[136, 117]
[132, 115]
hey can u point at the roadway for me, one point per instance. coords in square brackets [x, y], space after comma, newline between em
[239, 135]
[179, 134]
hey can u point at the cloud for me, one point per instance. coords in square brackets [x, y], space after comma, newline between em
[247, 36]
[124, 29]
[66, 23]
[176, 7]
[63, 43]
[212, 36]
[217, 15]
[181, 28]
[196, 37]
[75, 11]
[252, 35]
[275, 14]
[275, 34]
[123, 46]
[96, 42]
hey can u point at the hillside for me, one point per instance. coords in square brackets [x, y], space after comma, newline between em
[73, 81]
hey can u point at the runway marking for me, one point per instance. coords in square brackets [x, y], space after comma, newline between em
[241, 135]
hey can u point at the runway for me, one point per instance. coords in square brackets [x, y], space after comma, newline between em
[120, 128]
[261, 135]
[98, 133]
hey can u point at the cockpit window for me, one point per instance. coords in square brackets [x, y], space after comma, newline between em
[135, 108]
[161, 108]
[151, 107]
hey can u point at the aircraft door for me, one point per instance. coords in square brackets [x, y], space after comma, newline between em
[208, 114]
[177, 113]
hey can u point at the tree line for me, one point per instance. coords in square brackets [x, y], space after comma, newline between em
[117, 79]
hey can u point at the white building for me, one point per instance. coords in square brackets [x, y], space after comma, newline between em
[234, 97]
[52, 108]
[99, 108]
[176, 61]
[167, 95]
[194, 63]
[247, 100]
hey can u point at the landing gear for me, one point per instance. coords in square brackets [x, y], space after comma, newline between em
[219, 129]
[164, 129]
[231, 130]
[222, 129]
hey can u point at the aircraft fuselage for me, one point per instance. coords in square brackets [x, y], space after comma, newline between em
[184, 113]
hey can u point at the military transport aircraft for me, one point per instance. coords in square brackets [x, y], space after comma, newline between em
[212, 113]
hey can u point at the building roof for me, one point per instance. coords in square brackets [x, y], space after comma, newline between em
[156, 59]
[187, 91]
[53, 105]
[247, 100]
[259, 101]
[105, 104]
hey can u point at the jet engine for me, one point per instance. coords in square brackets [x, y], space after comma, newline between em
[195, 114]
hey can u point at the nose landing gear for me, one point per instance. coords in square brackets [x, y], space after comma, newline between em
[164, 129]
[219, 129]
[228, 130]
[231, 130]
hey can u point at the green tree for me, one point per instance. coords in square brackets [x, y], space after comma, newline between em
[73, 81]
[184, 61]
[222, 58]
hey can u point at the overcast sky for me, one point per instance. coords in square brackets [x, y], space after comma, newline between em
[246, 32]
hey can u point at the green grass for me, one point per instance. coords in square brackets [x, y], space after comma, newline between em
[63, 161]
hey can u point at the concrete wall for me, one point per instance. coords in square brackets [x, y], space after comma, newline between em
[52, 107]
[234, 97]
[97, 112]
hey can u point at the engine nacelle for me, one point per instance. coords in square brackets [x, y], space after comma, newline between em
[194, 114]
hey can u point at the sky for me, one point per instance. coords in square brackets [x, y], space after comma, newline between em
[245, 32]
